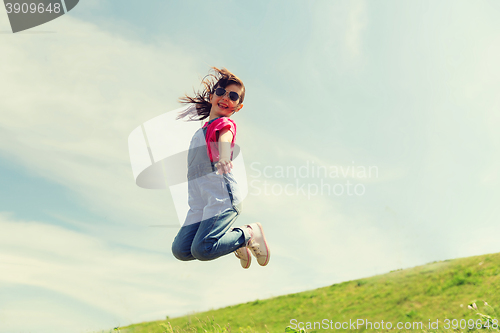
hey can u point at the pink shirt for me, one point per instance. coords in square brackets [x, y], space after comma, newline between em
[212, 135]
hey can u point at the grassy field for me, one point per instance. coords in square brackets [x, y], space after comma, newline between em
[436, 291]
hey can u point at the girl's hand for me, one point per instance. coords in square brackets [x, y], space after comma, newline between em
[224, 166]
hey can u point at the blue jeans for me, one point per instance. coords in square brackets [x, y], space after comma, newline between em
[214, 206]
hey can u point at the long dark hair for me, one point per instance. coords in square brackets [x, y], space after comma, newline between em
[219, 78]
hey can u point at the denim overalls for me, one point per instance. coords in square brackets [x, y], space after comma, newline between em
[214, 204]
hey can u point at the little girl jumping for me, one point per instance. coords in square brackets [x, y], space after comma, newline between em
[214, 199]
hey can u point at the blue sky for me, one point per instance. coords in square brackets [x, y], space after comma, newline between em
[408, 87]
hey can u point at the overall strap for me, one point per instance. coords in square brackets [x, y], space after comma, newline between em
[205, 128]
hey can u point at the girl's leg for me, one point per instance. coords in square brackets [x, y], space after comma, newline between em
[215, 237]
[181, 247]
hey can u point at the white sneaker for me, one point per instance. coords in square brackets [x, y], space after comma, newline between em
[243, 253]
[258, 244]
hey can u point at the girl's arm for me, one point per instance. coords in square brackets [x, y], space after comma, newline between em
[225, 138]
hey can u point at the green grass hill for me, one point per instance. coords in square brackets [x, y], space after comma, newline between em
[436, 291]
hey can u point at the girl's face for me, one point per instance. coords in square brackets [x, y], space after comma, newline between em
[224, 106]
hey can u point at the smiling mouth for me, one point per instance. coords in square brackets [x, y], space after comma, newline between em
[223, 106]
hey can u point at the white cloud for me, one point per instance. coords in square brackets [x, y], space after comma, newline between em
[356, 24]
[90, 273]
[337, 37]
[93, 282]
[362, 166]
[72, 99]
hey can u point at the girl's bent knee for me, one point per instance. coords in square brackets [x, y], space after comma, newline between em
[203, 252]
[182, 255]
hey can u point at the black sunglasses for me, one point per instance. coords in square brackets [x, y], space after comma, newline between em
[232, 95]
